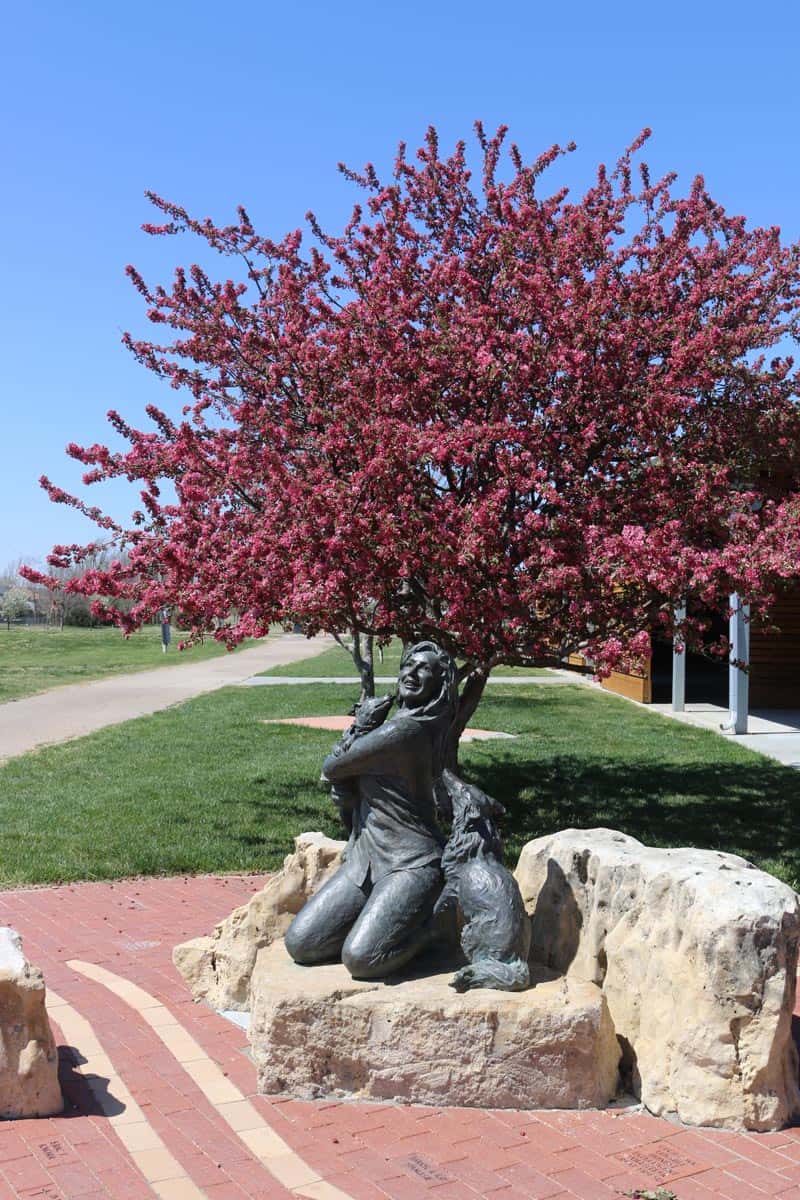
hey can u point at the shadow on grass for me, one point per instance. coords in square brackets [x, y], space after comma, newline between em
[743, 809]
[585, 760]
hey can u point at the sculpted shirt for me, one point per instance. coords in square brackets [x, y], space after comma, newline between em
[394, 823]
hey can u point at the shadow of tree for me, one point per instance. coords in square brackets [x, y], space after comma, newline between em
[581, 758]
[751, 810]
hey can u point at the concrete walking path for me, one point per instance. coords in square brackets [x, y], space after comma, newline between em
[77, 709]
[387, 680]
[774, 733]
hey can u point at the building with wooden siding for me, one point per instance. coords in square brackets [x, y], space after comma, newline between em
[770, 650]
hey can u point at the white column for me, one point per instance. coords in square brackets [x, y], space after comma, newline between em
[738, 680]
[679, 665]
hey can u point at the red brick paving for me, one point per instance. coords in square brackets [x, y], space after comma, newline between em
[369, 1151]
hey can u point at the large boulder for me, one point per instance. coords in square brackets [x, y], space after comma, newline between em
[217, 967]
[696, 953]
[28, 1058]
[317, 1032]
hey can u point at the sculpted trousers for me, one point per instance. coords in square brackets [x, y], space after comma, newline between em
[374, 929]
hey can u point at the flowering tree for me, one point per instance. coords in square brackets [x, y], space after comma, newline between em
[14, 605]
[511, 421]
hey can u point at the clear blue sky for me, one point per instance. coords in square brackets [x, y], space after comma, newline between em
[255, 102]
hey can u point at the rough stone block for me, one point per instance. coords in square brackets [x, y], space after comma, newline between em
[696, 953]
[28, 1058]
[317, 1032]
[217, 967]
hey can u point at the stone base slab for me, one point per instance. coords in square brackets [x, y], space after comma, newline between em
[316, 1032]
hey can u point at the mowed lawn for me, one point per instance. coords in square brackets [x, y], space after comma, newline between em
[205, 786]
[35, 658]
[338, 662]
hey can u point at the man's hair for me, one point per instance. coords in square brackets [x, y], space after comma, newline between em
[441, 708]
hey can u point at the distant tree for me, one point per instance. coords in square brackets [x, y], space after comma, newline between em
[38, 594]
[512, 422]
[14, 605]
[68, 603]
[9, 575]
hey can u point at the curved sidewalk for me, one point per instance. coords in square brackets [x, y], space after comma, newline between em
[77, 709]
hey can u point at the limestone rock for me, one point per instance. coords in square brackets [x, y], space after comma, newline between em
[696, 953]
[218, 967]
[28, 1058]
[317, 1032]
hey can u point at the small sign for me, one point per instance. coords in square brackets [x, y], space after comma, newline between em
[661, 1162]
[166, 632]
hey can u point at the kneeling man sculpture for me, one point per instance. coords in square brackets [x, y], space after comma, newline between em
[401, 877]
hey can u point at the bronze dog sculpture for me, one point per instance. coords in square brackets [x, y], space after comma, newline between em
[497, 933]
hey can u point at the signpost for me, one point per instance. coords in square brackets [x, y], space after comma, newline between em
[166, 632]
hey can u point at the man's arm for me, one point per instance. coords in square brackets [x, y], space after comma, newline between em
[373, 753]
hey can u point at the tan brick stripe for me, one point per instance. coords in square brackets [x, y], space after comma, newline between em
[163, 1172]
[244, 1119]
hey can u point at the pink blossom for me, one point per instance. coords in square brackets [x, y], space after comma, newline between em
[514, 421]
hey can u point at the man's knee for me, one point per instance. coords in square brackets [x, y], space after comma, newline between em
[304, 944]
[295, 943]
[363, 966]
[362, 960]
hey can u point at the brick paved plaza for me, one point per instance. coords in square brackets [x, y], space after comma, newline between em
[166, 1105]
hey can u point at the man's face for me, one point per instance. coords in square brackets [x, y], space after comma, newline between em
[418, 680]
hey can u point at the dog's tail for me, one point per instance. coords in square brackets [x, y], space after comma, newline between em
[513, 976]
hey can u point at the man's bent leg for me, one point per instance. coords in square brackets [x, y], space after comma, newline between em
[318, 932]
[395, 924]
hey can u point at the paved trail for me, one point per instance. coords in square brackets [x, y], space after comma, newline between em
[81, 708]
[568, 678]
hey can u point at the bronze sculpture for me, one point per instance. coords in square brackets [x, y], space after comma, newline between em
[496, 935]
[380, 908]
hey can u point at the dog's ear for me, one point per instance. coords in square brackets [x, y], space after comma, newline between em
[480, 799]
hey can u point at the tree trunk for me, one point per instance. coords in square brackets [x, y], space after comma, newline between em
[362, 655]
[468, 701]
[366, 668]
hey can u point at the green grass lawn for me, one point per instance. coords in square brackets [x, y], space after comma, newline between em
[337, 661]
[35, 658]
[205, 787]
